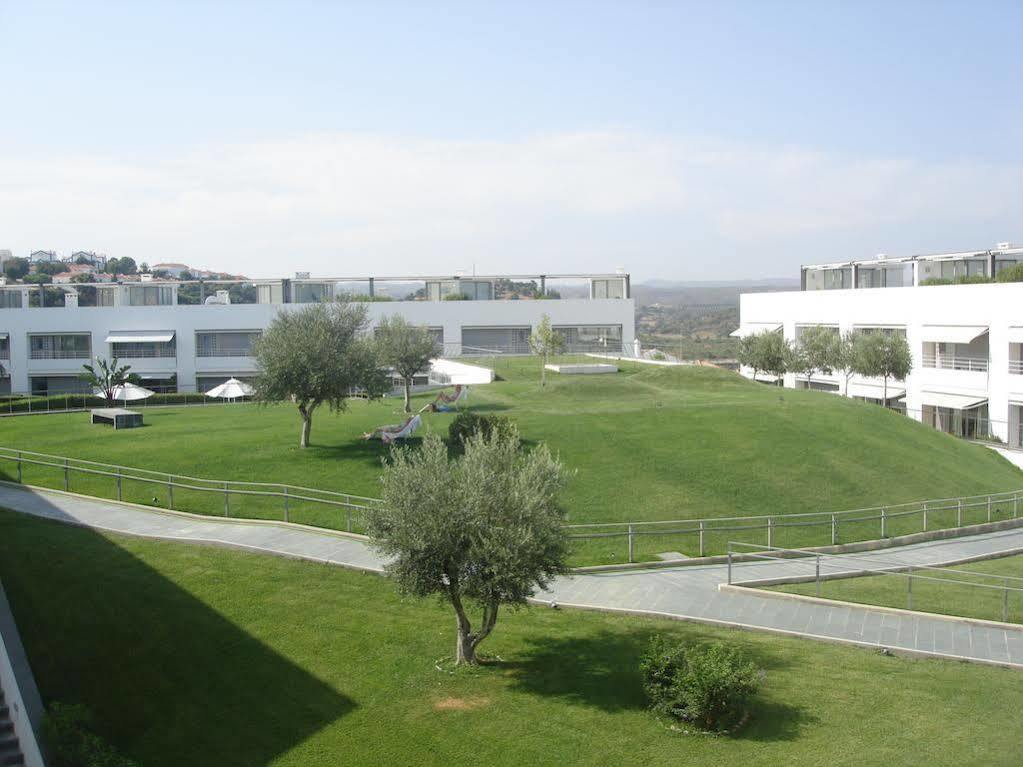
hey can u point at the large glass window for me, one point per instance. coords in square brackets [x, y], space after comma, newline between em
[311, 292]
[10, 299]
[590, 338]
[963, 267]
[5, 346]
[149, 295]
[838, 279]
[144, 349]
[225, 344]
[506, 340]
[270, 293]
[473, 290]
[614, 288]
[77, 346]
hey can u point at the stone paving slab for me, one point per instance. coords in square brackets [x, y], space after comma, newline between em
[689, 593]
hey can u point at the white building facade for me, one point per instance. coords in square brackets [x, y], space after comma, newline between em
[46, 337]
[966, 338]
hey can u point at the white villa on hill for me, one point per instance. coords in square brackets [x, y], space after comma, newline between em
[966, 339]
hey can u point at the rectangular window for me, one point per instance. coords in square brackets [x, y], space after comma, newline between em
[504, 340]
[225, 344]
[76, 346]
[5, 346]
[10, 299]
[608, 288]
[590, 338]
[838, 279]
[473, 290]
[271, 293]
[311, 292]
[149, 295]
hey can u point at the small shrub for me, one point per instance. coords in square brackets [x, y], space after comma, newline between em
[972, 279]
[708, 686]
[70, 741]
[657, 355]
[1012, 274]
[456, 297]
[468, 424]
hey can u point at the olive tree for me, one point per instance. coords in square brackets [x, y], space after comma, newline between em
[884, 355]
[406, 348]
[545, 341]
[821, 350]
[484, 528]
[105, 376]
[317, 355]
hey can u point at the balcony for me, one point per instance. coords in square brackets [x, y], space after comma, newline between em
[1016, 367]
[953, 362]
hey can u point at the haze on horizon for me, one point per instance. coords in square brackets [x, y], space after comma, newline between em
[686, 141]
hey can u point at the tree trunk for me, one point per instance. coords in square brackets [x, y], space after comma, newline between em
[543, 370]
[885, 402]
[466, 640]
[306, 412]
[408, 395]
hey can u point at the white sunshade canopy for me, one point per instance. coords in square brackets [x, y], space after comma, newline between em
[232, 388]
[953, 334]
[128, 392]
[1015, 335]
[875, 391]
[754, 328]
[954, 401]
[140, 336]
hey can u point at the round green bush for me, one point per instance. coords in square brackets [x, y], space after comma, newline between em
[708, 686]
[467, 424]
[1012, 274]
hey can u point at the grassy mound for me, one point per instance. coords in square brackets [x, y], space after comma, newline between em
[650, 443]
[198, 655]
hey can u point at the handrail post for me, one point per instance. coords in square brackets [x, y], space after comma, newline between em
[1005, 600]
[348, 517]
[227, 503]
[118, 483]
[989, 508]
[834, 529]
[770, 533]
[925, 517]
[959, 513]
[67, 478]
[286, 504]
[701, 537]
[630, 543]
[19, 467]
[170, 492]
[818, 575]
[884, 523]
[909, 588]
[1015, 504]
[729, 564]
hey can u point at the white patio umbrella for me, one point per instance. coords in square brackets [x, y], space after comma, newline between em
[128, 392]
[232, 388]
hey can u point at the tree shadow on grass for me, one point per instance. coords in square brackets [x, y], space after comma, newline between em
[602, 670]
[169, 679]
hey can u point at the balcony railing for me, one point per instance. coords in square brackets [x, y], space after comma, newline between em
[223, 353]
[947, 362]
[1016, 367]
[59, 354]
[141, 353]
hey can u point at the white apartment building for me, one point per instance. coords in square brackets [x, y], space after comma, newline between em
[966, 339]
[190, 336]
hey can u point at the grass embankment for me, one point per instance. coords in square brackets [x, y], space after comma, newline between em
[650, 443]
[933, 596]
[197, 655]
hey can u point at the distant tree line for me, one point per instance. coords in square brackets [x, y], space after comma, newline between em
[823, 351]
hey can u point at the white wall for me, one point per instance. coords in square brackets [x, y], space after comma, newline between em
[998, 306]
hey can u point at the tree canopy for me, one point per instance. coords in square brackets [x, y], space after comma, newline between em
[406, 348]
[317, 355]
[16, 268]
[884, 355]
[484, 528]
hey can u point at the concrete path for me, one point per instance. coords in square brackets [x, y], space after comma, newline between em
[1012, 455]
[689, 592]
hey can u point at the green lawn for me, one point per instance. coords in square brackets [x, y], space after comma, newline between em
[650, 443]
[931, 596]
[196, 655]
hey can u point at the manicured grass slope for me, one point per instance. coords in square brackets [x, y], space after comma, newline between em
[932, 596]
[648, 443]
[194, 655]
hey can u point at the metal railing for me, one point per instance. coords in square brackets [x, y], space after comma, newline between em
[282, 497]
[59, 354]
[703, 537]
[952, 362]
[827, 567]
[1016, 367]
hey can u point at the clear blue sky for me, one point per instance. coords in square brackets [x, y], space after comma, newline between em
[726, 139]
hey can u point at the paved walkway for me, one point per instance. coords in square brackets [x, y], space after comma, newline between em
[689, 592]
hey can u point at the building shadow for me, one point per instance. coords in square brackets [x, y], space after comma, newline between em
[169, 680]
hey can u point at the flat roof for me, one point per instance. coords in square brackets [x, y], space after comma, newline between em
[895, 260]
